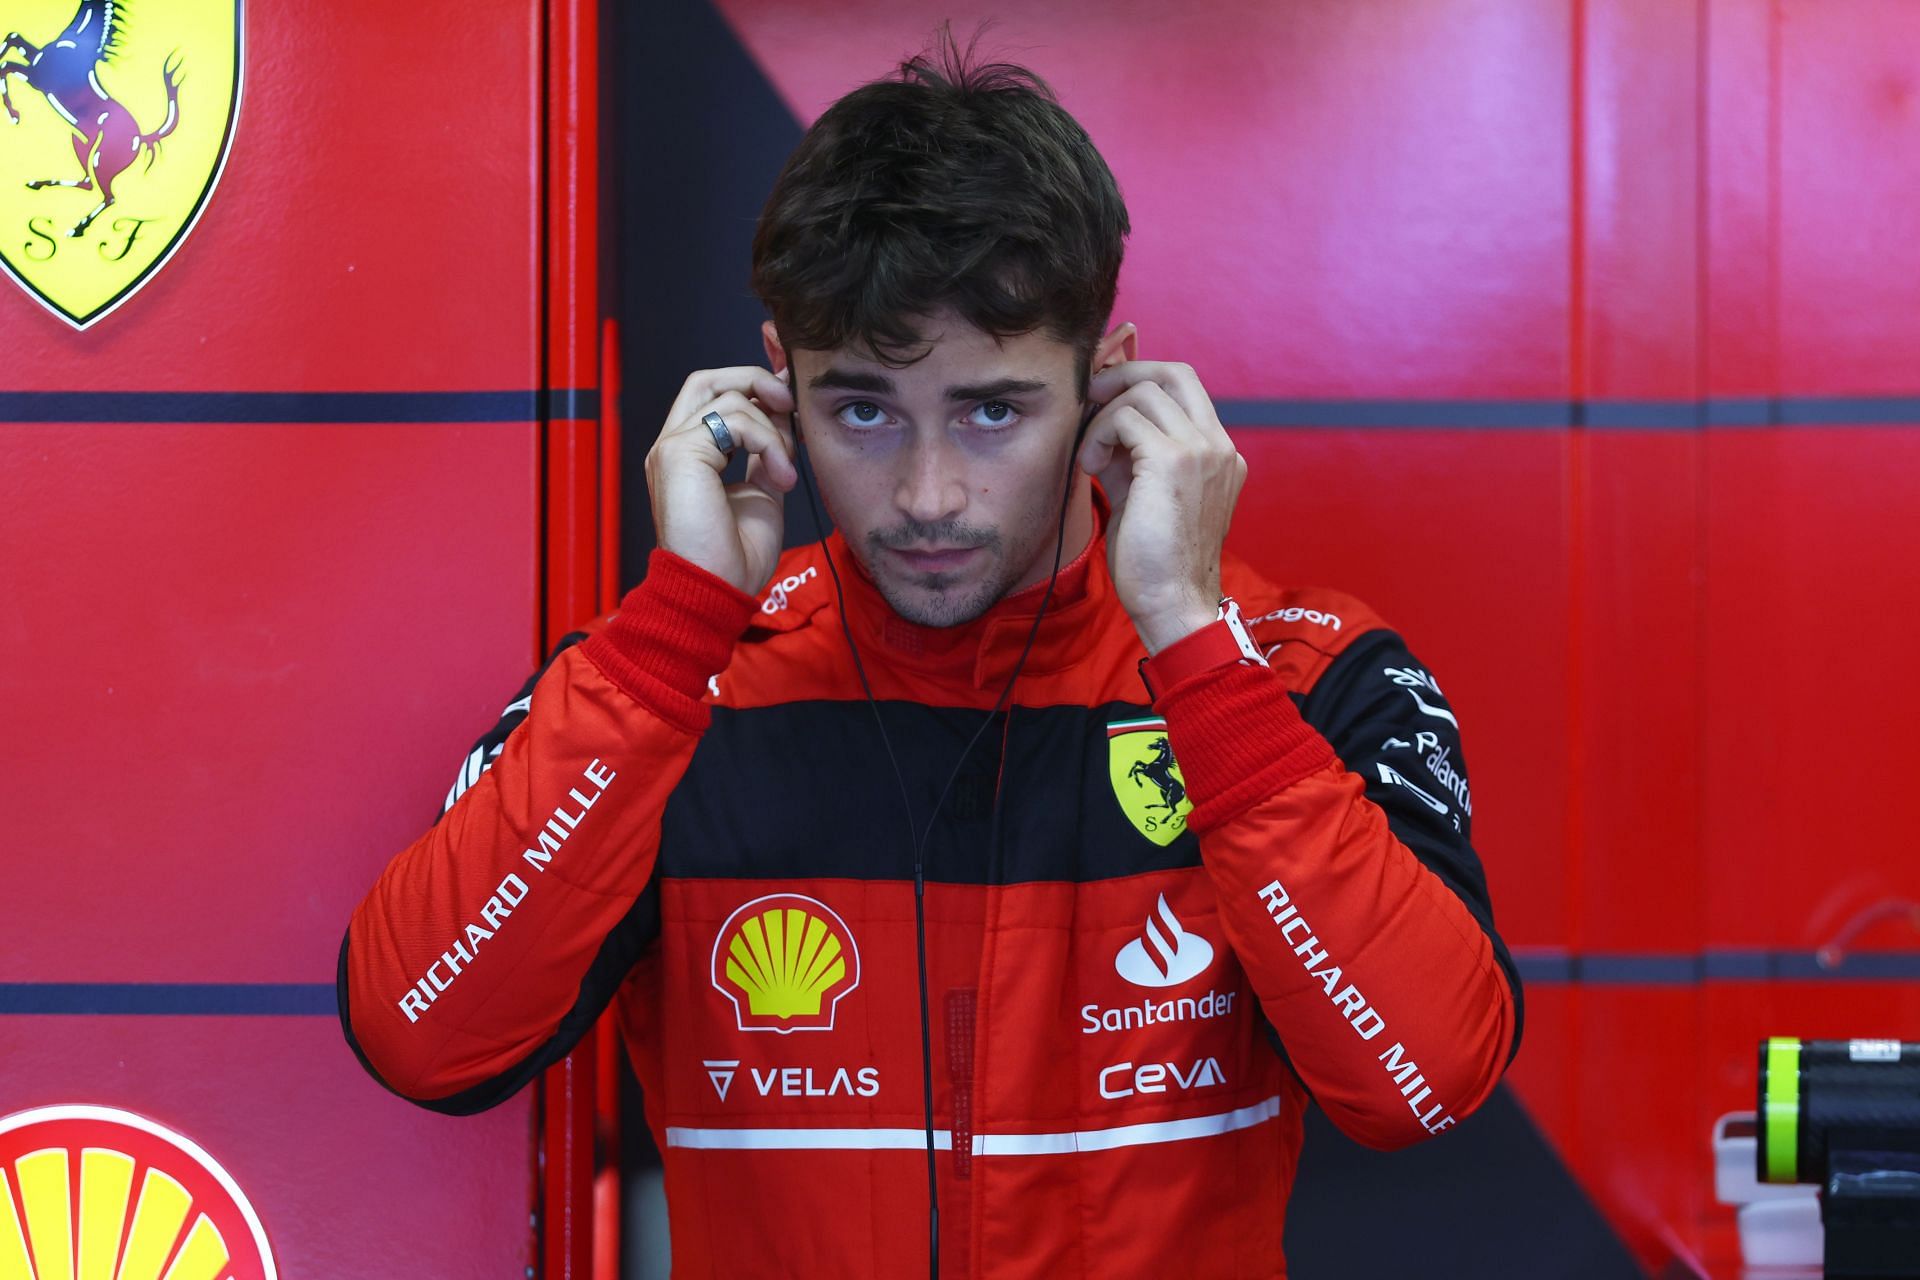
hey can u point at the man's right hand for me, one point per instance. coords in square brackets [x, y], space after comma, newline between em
[733, 531]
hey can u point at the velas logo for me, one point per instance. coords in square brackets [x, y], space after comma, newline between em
[1146, 779]
[721, 1071]
[96, 1192]
[115, 135]
[1166, 954]
[785, 961]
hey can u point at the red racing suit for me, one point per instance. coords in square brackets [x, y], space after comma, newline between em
[1156, 929]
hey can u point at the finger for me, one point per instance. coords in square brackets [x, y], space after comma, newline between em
[1176, 379]
[749, 380]
[1122, 440]
[1161, 409]
[751, 429]
[1116, 479]
[782, 423]
[707, 384]
[730, 404]
[758, 487]
[1119, 430]
[755, 432]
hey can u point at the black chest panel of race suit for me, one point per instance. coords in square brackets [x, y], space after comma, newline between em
[805, 790]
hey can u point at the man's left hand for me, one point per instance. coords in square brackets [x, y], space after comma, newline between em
[1172, 476]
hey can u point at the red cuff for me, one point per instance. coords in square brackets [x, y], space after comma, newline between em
[1239, 739]
[1211, 646]
[673, 632]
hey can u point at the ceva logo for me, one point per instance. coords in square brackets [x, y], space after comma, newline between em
[1167, 955]
[785, 961]
[104, 1192]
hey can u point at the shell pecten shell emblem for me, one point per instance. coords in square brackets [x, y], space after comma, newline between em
[785, 961]
[94, 1193]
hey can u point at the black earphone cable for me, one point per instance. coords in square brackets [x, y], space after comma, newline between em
[918, 836]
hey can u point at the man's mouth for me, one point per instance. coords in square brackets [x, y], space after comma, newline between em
[935, 559]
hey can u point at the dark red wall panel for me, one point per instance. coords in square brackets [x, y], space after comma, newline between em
[1637, 728]
[244, 664]
[1546, 329]
[243, 659]
[1812, 595]
[375, 226]
[1459, 539]
[1846, 110]
[349, 1183]
[1328, 199]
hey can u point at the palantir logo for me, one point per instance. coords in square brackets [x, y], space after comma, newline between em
[1167, 955]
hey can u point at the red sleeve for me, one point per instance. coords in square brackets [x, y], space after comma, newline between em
[1383, 987]
[466, 966]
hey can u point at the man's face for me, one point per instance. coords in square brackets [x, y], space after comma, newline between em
[945, 477]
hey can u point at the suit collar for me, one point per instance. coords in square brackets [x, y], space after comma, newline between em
[987, 649]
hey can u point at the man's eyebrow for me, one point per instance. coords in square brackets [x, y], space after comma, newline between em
[998, 387]
[880, 384]
[849, 380]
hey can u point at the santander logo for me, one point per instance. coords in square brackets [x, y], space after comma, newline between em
[1167, 955]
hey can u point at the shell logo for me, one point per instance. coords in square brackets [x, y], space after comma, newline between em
[785, 961]
[93, 1193]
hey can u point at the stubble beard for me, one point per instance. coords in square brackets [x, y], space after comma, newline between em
[923, 599]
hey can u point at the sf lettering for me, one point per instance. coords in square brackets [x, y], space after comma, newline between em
[44, 242]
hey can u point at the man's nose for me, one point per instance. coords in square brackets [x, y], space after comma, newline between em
[933, 484]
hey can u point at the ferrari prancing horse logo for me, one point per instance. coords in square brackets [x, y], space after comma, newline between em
[117, 125]
[1146, 778]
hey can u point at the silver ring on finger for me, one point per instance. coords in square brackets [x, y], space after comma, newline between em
[722, 435]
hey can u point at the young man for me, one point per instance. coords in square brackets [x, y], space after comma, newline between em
[1155, 913]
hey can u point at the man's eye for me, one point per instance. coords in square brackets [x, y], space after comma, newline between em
[862, 413]
[996, 413]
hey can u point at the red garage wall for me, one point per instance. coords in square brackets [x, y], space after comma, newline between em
[270, 548]
[1579, 338]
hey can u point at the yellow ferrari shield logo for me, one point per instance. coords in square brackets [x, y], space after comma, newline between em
[118, 114]
[1146, 780]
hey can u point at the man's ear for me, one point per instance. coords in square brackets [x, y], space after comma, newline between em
[776, 354]
[1121, 344]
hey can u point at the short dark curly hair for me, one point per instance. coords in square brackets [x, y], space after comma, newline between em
[944, 185]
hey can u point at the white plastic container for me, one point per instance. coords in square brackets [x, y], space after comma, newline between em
[1782, 1233]
[1736, 1179]
[1779, 1222]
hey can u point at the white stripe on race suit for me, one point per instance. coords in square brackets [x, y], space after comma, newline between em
[984, 1144]
[1125, 1135]
[808, 1139]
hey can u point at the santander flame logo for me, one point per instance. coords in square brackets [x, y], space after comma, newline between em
[1167, 955]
